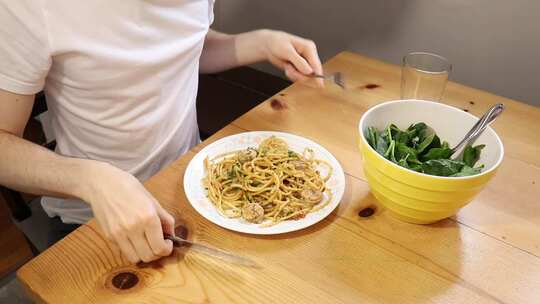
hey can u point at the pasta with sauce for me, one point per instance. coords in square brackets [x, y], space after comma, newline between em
[267, 184]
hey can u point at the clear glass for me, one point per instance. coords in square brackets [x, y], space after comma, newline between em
[424, 76]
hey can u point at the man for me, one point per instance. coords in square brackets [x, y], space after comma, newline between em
[120, 79]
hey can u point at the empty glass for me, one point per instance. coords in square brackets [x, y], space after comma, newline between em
[424, 76]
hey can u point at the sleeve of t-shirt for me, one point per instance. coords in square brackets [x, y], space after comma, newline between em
[211, 11]
[24, 51]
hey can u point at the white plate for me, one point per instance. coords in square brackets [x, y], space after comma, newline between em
[196, 193]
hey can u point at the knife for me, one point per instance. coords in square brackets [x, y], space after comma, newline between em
[213, 252]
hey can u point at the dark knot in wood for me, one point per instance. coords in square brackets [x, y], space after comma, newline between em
[125, 280]
[367, 212]
[371, 86]
[277, 104]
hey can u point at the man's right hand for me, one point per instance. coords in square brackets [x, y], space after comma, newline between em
[128, 214]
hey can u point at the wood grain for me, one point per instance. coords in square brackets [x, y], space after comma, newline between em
[343, 259]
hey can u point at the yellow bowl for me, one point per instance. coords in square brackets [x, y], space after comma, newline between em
[416, 197]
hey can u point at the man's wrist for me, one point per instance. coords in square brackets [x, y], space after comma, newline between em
[91, 173]
[259, 41]
[252, 47]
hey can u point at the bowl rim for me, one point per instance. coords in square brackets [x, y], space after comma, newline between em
[387, 103]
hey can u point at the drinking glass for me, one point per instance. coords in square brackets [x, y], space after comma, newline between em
[424, 76]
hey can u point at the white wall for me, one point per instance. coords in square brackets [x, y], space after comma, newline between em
[493, 44]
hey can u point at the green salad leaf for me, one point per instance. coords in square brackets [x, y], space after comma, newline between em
[442, 167]
[418, 148]
[472, 154]
[467, 171]
[437, 153]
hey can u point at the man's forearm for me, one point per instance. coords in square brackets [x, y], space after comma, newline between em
[125, 211]
[30, 168]
[223, 51]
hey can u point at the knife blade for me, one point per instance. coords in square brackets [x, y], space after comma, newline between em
[213, 252]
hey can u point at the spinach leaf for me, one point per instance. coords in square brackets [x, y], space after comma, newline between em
[428, 140]
[382, 145]
[415, 140]
[400, 136]
[442, 167]
[402, 151]
[416, 167]
[435, 143]
[418, 148]
[414, 131]
[376, 141]
[393, 129]
[418, 127]
[371, 135]
[388, 133]
[403, 162]
[437, 153]
[390, 152]
[472, 154]
[468, 171]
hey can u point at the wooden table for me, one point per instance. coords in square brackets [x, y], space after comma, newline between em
[488, 253]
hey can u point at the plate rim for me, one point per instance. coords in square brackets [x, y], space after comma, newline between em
[191, 165]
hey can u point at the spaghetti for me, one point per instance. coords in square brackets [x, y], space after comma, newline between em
[270, 183]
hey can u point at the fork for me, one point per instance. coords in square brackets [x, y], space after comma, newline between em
[336, 78]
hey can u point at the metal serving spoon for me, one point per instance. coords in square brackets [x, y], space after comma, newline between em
[479, 126]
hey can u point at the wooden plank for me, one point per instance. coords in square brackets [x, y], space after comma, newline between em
[344, 259]
[331, 116]
[487, 255]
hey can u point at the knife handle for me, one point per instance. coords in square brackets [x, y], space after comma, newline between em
[177, 241]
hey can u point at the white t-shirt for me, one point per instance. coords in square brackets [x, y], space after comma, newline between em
[120, 78]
